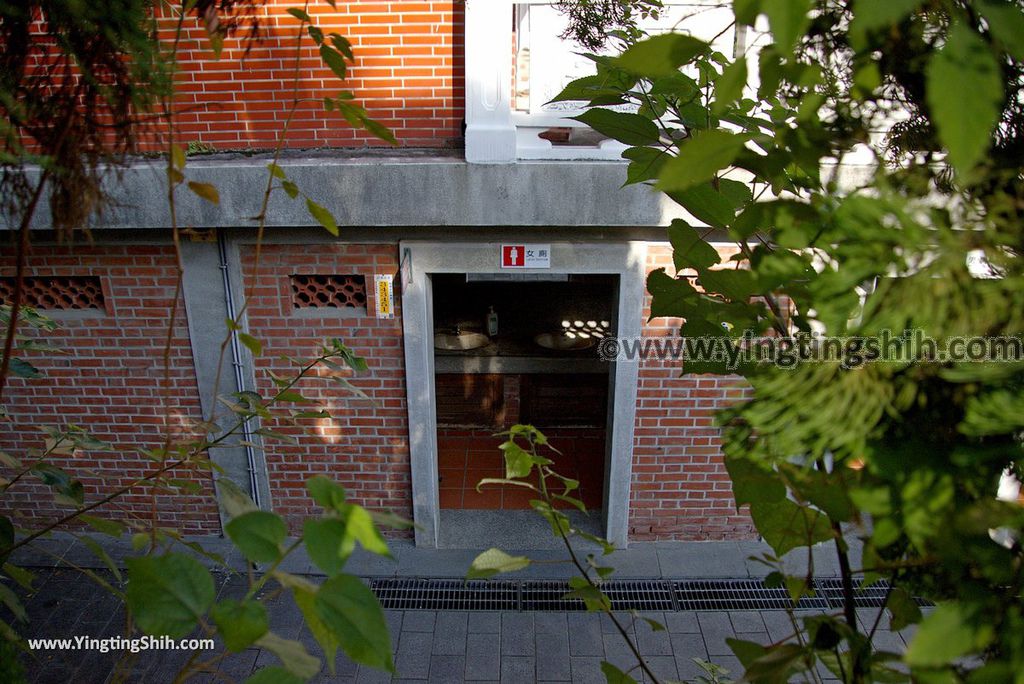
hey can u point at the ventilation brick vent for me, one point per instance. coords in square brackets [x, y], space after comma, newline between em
[328, 291]
[60, 293]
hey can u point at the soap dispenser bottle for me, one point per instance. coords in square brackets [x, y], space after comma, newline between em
[492, 323]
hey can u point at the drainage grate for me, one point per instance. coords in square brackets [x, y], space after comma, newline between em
[642, 595]
[639, 595]
[739, 594]
[871, 596]
[547, 595]
[445, 594]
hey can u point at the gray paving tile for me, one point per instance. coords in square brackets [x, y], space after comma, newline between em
[412, 660]
[394, 620]
[687, 646]
[447, 669]
[651, 642]
[663, 667]
[450, 633]
[585, 634]
[550, 623]
[639, 561]
[370, 675]
[682, 623]
[618, 653]
[517, 634]
[586, 670]
[608, 626]
[746, 621]
[518, 669]
[716, 628]
[413, 562]
[701, 559]
[482, 657]
[418, 621]
[552, 650]
[484, 623]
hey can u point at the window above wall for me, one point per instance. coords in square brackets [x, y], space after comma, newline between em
[516, 61]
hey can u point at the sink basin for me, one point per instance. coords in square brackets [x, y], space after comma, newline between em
[462, 342]
[563, 342]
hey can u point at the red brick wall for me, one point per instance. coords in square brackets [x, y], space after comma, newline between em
[111, 384]
[408, 73]
[680, 487]
[363, 445]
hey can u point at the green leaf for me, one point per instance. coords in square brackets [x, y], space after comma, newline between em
[102, 555]
[729, 86]
[518, 462]
[258, 534]
[21, 368]
[205, 190]
[1006, 22]
[359, 527]
[334, 60]
[13, 603]
[290, 188]
[323, 542]
[645, 163]
[494, 561]
[274, 675]
[746, 11]
[788, 20]
[351, 611]
[277, 172]
[661, 55]
[964, 124]
[251, 343]
[945, 635]
[707, 204]
[614, 675]
[700, 158]
[871, 15]
[305, 599]
[177, 157]
[342, 45]
[903, 608]
[631, 129]
[323, 217]
[670, 296]
[232, 499]
[736, 284]
[299, 14]
[240, 623]
[786, 525]
[326, 492]
[380, 130]
[292, 654]
[168, 594]
[67, 490]
[689, 250]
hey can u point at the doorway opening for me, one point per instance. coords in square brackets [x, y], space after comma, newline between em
[514, 349]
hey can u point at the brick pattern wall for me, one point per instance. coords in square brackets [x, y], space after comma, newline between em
[408, 74]
[111, 385]
[363, 445]
[680, 488]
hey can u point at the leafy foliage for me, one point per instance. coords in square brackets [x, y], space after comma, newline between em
[904, 445]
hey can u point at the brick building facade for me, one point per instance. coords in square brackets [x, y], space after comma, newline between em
[652, 464]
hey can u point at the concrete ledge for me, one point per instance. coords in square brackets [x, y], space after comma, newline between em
[401, 190]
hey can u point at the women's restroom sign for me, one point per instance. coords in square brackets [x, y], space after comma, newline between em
[526, 256]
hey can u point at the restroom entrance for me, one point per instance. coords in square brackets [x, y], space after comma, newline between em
[531, 369]
[511, 348]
